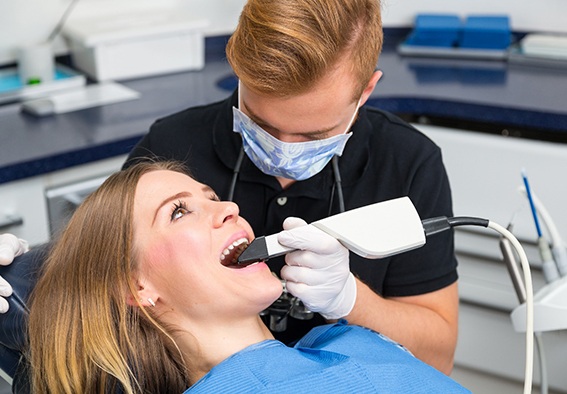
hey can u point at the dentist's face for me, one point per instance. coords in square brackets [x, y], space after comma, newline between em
[322, 112]
[184, 239]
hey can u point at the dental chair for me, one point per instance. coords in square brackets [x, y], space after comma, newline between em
[22, 274]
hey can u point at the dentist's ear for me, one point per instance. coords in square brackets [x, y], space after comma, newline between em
[370, 86]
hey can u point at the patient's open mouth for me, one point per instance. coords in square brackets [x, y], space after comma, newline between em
[229, 256]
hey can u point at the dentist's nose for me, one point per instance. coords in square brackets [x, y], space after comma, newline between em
[226, 211]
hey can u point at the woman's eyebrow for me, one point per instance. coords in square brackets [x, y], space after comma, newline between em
[207, 189]
[169, 200]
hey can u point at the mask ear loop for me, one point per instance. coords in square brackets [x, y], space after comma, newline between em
[354, 115]
[239, 95]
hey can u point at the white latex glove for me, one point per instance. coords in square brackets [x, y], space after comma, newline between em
[318, 273]
[10, 247]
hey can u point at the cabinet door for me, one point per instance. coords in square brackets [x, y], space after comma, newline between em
[23, 204]
[485, 175]
[23, 210]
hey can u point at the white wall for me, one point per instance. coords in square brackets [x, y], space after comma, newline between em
[26, 22]
[525, 15]
[30, 21]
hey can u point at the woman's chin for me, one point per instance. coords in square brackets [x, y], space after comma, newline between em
[272, 291]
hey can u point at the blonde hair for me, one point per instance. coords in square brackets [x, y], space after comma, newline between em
[283, 47]
[84, 338]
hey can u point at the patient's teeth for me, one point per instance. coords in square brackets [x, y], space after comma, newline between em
[234, 249]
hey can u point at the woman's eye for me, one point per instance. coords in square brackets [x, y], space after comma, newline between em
[179, 210]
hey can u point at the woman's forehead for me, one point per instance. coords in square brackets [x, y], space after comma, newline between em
[160, 179]
[162, 184]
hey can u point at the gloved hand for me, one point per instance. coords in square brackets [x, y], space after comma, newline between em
[10, 247]
[318, 273]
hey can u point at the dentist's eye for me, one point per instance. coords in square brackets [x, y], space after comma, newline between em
[179, 210]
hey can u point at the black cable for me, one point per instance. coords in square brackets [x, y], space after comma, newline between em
[442, 223]
[338, 183]
[235, 174]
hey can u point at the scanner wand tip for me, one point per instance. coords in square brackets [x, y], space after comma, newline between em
[262, 249]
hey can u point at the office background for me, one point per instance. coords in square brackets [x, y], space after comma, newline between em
[31, 21]
[490, 353]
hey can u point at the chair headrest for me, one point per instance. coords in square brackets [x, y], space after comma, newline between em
[22, 274]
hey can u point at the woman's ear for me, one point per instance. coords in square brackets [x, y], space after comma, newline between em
[145, 295]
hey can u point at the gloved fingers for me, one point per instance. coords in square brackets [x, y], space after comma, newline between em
[303, 275]
[5, 288]
[293, 222]
[310, 238]
[3, 305]
[306, 258]
[11, 247]
[299, 290]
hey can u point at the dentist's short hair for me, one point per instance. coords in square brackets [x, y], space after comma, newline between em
[284, 47]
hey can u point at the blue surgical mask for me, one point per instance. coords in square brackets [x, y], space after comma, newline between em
[291, 160]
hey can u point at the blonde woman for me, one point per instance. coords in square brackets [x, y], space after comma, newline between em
[141, 295]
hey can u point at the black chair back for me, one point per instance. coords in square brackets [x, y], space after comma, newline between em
[22, 274]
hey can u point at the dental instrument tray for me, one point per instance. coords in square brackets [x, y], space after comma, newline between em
[444, 35]
[464, 53]
[12, 89]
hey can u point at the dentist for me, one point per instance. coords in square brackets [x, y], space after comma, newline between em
[295, 140]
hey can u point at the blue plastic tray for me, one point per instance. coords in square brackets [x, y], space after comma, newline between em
[11, 89]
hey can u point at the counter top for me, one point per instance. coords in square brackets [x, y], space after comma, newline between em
[488, 91]
[467, 90]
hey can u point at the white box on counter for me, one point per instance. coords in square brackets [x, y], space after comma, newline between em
[121, 47]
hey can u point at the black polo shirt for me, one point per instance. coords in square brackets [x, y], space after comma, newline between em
[384, 159]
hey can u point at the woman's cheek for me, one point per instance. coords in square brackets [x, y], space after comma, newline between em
[156, 253]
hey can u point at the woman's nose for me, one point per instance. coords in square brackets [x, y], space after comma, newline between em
[226, 211]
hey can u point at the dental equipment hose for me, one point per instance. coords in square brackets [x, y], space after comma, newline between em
[512, 265]
[440, 224]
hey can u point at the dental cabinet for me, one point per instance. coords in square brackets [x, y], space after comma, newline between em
[47, 157]
[485, 175]
[35, 208]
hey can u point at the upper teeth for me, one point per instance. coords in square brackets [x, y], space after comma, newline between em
[239, 244]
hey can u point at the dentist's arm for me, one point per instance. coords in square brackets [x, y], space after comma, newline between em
[10, 248]
[320, 276]
[426, 324]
